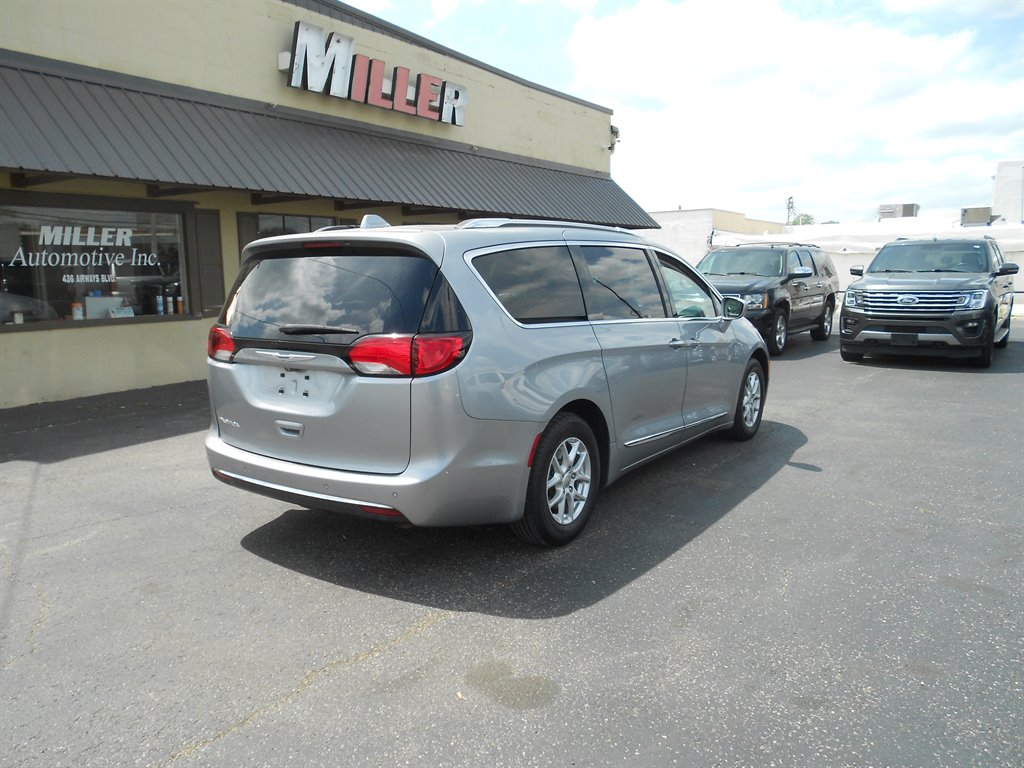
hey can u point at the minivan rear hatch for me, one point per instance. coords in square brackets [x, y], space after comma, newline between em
[287, 387]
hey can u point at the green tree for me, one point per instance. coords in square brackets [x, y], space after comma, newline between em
[803, 218]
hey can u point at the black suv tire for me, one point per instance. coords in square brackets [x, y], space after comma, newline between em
[824, 327]
[778, 334]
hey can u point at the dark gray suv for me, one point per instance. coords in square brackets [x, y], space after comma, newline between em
[787, 287]
[495, 371]
[949, 298]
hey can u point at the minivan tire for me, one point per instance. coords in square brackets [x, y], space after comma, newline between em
[749, 403]
[564, 483]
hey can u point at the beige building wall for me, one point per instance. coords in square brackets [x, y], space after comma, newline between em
[231, 47]
[687, 232]
[38, 365]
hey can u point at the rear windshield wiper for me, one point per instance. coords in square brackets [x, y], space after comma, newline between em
[297, 329]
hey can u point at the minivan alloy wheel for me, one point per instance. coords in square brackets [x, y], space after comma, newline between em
[569, 479]
[750, 398]
[564, 483]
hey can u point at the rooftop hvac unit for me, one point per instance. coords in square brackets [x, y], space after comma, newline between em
[976, 217]
[901, 211]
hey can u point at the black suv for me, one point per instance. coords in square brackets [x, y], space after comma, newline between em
[951, 298]
[787, 287]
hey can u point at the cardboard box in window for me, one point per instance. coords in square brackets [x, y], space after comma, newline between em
[99, 307]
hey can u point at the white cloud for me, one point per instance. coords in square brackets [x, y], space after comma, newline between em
[740, 105]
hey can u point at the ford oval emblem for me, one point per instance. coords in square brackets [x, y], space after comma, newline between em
[907, 300]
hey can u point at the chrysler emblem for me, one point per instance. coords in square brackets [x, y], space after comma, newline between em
[907, 300]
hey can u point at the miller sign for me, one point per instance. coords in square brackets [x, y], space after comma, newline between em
[326, 62]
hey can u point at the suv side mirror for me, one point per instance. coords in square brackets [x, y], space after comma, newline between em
[857, 270]
[1009, 268]
[801, 272]
[733, 307]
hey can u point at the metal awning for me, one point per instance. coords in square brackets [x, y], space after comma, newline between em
[68, 120]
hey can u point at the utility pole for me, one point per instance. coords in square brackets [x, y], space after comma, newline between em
[790, 211]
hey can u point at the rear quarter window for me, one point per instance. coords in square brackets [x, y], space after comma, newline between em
[534, 285]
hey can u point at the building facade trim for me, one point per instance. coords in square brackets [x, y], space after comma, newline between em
[80, 122]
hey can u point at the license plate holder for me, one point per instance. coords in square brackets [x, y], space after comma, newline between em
[904, 339]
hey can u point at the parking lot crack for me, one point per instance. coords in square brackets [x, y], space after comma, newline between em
[306, 683]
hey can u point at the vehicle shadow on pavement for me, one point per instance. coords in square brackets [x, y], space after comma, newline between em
[645, 518]
[803, 347]
[52, 432]
[1007, 360]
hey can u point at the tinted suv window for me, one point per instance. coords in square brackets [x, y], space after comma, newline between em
[766, 262]
[361, 293]
[621, 284]
[535, 285]
[935, 256]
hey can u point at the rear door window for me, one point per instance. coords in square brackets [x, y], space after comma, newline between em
[535, 285]
[621, 284]
[335, 296]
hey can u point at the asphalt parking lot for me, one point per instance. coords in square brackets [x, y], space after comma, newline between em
[847, 589]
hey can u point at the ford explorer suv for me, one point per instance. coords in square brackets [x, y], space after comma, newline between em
[494, 371]
[787, 287]
[949, 298]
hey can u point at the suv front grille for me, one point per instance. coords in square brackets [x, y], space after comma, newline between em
[936, 303]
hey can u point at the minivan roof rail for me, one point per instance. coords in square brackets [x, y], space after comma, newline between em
[505, 222]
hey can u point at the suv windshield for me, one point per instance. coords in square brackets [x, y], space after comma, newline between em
[931, 257]
[763, 262]
[295, 295]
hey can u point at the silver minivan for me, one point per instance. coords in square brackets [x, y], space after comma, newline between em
[493, 371]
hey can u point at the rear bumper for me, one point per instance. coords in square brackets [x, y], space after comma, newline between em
[474, 487]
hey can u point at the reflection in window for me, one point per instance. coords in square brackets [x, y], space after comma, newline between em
[270, 224]
[535, 285]
[80, 264]
[621, 285]
[688, 297]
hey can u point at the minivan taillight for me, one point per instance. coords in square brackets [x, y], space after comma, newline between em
[405, 355]
[220, 345]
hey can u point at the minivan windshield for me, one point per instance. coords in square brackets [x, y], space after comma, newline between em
[936, 256]
[761, 262]
[312, 297]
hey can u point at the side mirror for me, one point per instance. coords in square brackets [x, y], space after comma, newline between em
[801, 272]
[1009, 268]
[857, 270]
[733, 307]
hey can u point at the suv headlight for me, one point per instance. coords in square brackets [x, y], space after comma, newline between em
[972, 300]
[852, 299]
[755, 300]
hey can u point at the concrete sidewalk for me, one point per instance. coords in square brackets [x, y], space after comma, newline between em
[47, 432]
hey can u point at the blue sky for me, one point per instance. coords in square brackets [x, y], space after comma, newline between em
[740, 104]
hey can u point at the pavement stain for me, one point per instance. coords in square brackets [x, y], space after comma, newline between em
[499, 683]
[308, 681]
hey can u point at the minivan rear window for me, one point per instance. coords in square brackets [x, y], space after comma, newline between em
[334, 297]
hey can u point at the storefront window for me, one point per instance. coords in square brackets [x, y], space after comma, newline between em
[273, 224]
[78, 264]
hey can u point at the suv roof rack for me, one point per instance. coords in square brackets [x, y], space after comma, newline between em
[506, 222]
[773, 243]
